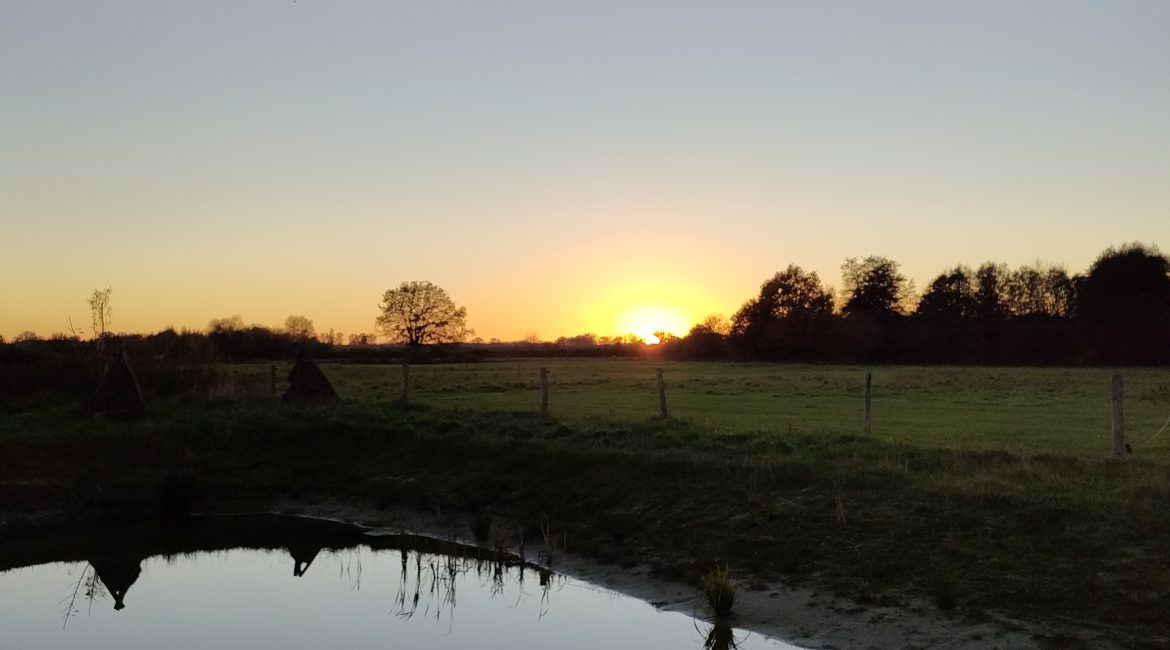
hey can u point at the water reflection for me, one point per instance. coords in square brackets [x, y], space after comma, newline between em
[212, 576]
[720, 637]
[117, 575]
[302, 556]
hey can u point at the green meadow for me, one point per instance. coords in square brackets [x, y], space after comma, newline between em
[1026, 410]
[978, 490]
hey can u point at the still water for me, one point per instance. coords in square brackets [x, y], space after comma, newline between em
[322, 591]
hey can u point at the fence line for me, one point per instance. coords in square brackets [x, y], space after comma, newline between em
[1119, 434]
[1117, 399]
[867, 426]
[544, 392]
[661, 395]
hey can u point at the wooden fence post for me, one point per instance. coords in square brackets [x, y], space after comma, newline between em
[1117, 397]
[272, 379]
[405, 381]
[868, 402]
[661, 395]
[544, 392]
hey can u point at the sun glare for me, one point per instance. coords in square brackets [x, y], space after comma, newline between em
[645, 321]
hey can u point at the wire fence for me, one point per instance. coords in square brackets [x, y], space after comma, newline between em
[1041, 410]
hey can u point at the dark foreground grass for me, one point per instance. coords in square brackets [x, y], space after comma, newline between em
[1047, 538]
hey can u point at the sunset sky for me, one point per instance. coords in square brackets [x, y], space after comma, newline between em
[557, 167]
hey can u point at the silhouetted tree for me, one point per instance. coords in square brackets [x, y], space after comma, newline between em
[1126, 284]
[715, 324]
[950, 297]
[587, 340]
[876, 296]
[1124, 305]
[1029, 325]
[990, 309]
[362, 339]
[257, 342]
[874, 286]
[990, 279]
[941, 329]
[789, 317]
[101, 311]
[232, 323]
[300, 328]
[706, 340]
[418, 313]
[665, 337]
[1038, 291]
[791, 293]
[27, 336]
[332, 337]
[1062, 291]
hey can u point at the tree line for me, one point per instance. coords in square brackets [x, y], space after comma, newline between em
[1116, 312]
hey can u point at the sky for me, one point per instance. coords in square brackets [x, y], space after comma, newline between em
[558, 167]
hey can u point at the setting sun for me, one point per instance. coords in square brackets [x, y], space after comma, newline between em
[644, 321]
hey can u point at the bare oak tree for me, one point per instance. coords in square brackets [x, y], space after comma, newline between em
[420, 312]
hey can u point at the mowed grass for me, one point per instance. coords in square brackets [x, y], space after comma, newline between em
[1064, 411]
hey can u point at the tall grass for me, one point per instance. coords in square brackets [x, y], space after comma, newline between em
[719, 589]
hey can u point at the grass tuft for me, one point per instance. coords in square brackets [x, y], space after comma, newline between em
[719, 589]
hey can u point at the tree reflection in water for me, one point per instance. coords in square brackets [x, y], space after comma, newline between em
[111, 559]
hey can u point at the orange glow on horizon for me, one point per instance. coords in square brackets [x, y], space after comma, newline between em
[645, 320]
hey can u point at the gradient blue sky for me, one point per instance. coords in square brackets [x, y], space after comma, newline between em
[557, 166]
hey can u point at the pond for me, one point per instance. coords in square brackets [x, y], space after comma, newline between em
[276, 582]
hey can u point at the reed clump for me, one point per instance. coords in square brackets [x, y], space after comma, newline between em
[719, 588]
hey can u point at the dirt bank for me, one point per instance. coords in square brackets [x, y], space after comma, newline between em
[800, 616]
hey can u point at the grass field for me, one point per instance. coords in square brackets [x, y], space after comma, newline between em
[1029, 410]
[980, 489]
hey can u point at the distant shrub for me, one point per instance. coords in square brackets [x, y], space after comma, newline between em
[69, 369]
